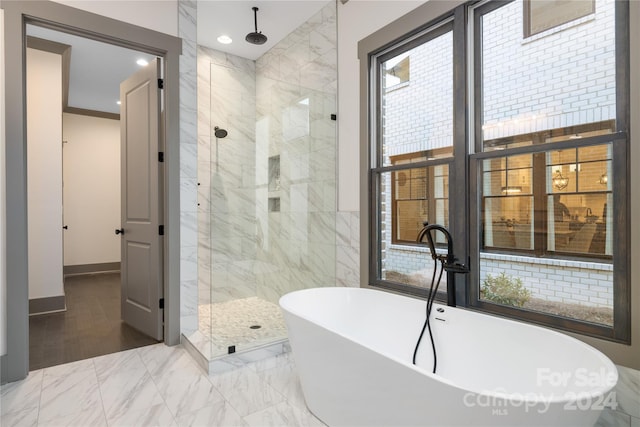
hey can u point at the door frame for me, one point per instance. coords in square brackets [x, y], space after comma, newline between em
[15, 363]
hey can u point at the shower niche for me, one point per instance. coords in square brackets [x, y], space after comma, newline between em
[274, 173]
[274, 184]
[278, 157]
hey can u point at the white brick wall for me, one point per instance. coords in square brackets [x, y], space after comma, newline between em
[586, 283]
[521, 78]
[419, 116]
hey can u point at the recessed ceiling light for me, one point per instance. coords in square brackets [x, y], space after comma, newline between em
[224, 39]
[142, 62]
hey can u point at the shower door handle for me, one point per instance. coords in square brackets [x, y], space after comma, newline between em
[119, 230]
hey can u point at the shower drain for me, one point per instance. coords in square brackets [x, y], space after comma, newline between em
[255, 327]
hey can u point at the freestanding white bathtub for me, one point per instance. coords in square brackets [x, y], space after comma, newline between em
[353, 350]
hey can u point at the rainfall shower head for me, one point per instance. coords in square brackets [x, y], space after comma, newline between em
[256, 37]
[219, 132]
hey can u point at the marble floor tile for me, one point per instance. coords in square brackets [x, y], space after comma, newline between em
[283, 414]
[92, 417]
[610, 418]
[285, 380]
[185, 395]
[128, 391]
[628, 391]
[118, 363]
[157, 415]
[69, 368]
[68, 390]
[164, 361]
[218, 414]
[155, 356]
[22, 395]
[23, 418]
[246, 391]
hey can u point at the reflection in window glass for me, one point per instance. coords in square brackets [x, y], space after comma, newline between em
[577, 196]
[569, 217]
[418, 195]
[397, 70]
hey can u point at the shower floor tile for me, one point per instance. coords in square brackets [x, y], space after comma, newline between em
[244, 323]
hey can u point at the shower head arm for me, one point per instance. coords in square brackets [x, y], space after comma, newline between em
[255, 17]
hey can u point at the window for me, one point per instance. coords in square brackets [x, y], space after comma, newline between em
[547, 133]
[573, 209]
[418, 196]
[534, 187]
[508, 202]
[414, 156]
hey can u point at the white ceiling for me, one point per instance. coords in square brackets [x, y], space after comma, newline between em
[95, 71]
[234, 18]
[97, 68]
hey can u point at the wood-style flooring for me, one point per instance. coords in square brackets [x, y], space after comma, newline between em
[90, 327]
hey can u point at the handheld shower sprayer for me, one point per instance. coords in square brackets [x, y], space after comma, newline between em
[219, 132]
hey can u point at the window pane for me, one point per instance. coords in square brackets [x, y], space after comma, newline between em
[573, 220]
[594, 176]
[561, 178]
[507, 222]
[418, 196]
[404, 260]
[418, 114]
[508, 176]
[560, 79]
[409, 218]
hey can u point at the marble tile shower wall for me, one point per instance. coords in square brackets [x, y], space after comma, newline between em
[187, 12]
[267, 192]
[226, 174]
[296, 159]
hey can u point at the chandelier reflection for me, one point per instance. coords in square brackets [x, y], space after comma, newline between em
[559, 181]
[604, 179]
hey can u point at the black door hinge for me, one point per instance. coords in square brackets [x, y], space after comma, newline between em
[161, 303]
[161, 230]
[160, 83]
[161, 156]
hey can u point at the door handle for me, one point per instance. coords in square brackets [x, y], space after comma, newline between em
[66, 227]
[119, 230]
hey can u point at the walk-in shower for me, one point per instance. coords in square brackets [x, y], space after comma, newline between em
[267, 193]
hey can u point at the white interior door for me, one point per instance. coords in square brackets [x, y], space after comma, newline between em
[141, 268]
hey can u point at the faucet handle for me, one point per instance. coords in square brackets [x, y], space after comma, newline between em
[457, 267]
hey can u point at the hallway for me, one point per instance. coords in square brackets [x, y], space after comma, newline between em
[90, 327]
